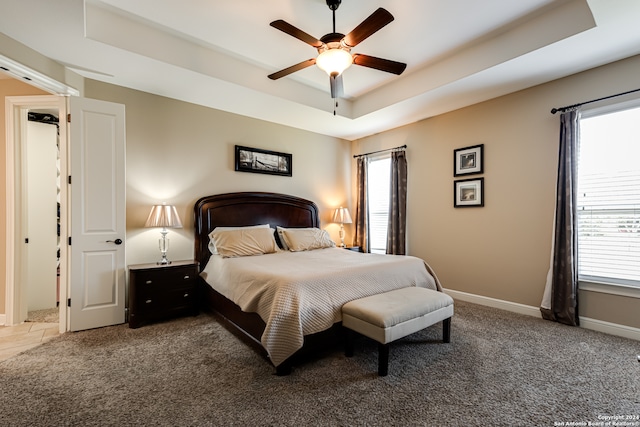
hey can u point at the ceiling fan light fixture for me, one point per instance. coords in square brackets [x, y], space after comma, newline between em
[334, 61]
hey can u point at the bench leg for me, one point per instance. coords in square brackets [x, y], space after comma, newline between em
[446, 330]
[348, 342]
[383, 359]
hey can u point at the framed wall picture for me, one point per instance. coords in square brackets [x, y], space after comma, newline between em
[263, 161]
[468, 160]
[468, 193]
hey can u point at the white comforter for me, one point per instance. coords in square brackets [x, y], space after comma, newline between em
[301, 293]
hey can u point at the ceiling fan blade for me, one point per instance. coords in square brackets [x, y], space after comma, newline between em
[292, 69]
[373, 23]
[297, 33]
[337, 87]
[379, 63]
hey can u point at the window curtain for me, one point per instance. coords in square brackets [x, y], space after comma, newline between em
[362, 214]
[396, 236]
[560, 300]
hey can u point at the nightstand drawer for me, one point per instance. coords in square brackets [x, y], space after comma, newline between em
[168, 277]
[152, 301]
[159, 292]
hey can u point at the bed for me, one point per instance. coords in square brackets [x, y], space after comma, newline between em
[257, 304]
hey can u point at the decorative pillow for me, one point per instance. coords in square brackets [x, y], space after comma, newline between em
[212, 245]
[244, 242]
[305, 239]
[283, 242]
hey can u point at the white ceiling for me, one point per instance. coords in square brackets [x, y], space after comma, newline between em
[218, 53]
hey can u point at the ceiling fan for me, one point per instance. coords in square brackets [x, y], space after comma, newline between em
[334, 49]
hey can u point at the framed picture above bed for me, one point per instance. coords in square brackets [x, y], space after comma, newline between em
[262, 161]
[468, 193]
[468, 160]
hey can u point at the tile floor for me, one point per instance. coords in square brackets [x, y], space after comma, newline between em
[16, 339]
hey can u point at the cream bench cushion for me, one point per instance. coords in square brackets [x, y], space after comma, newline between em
[393, 315]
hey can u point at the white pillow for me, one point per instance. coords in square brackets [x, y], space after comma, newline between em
[244, 242]
[305, 239]
[212, 245]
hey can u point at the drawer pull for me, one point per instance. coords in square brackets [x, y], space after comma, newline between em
[148, 301]
[187, 277]
[186, 295]
[148, 282]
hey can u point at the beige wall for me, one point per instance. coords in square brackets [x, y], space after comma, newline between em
[8, 87]
[501, 250]
[178, 152]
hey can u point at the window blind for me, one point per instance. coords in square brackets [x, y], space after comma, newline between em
[608, 203]
[378, 197]
[609, 227]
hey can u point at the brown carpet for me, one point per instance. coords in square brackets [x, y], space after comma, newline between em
[501, 369]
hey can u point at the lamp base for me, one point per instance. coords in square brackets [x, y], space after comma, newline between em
[163, 244]
[341, 234]
[164, 260]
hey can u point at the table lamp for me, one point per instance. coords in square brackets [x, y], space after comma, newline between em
[341, 216]
[165, 216]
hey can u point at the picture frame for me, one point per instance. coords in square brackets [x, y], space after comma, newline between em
[468, 160]
[257, 160]
[468, 193]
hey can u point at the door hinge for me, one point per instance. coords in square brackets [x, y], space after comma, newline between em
[68, 302]
[69, 240]
[26, 240]
[69, 118]
[69, 179]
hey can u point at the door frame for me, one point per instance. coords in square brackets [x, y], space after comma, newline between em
[16, 108]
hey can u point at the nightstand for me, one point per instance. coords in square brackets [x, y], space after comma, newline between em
[159, 292]
[353, 248]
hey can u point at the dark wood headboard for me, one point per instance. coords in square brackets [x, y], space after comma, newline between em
[248, 208]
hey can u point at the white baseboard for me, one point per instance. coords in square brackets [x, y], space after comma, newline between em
[495, 303]
[610, 328]
[585, 322]
[3, 319]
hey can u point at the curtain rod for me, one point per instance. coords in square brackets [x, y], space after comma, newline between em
[402, 147]
[568, 107]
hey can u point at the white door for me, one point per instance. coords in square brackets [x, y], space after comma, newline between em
[97, 215]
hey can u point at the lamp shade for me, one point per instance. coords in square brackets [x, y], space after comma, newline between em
[341, 216]
[164, 216]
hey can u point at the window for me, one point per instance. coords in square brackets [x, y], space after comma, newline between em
[378, 188]
[608, 211]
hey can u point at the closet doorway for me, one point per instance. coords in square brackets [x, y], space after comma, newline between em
[35, 204]
[42, 219]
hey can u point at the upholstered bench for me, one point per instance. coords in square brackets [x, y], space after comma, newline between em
[393, 315]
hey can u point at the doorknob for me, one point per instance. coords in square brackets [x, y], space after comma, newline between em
[117, 241]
